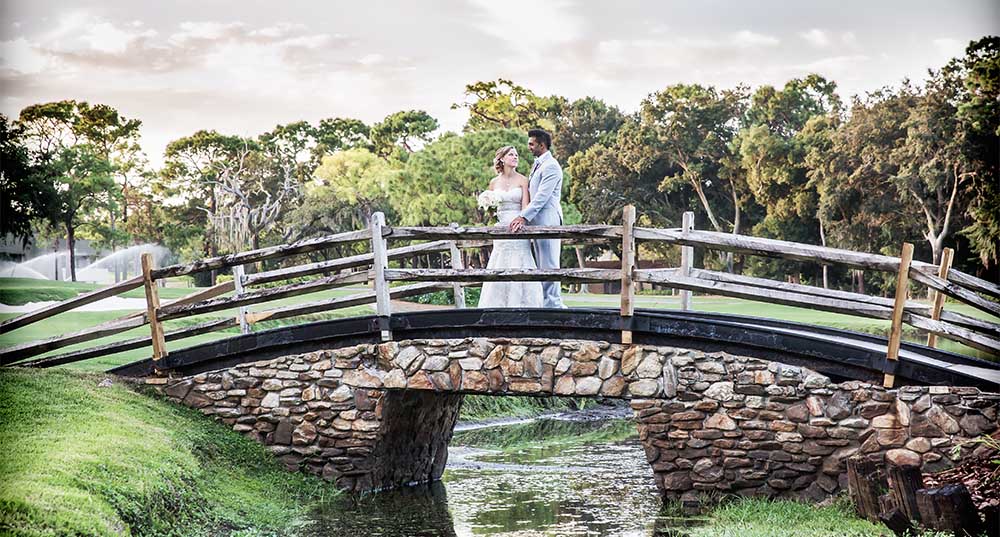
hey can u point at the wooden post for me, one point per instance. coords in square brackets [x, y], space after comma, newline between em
[904, 482]
[628, 266]
[896, 332]
[238, 272]
[949, 508]
[152, 308]
[946, 257]
[456, 263]
[865, 483]
[687, 259]
[380, 262]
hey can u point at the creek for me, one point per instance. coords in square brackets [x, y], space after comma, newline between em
[579, 473]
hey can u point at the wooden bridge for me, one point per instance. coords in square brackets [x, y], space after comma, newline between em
[842, 354]
[730, 403]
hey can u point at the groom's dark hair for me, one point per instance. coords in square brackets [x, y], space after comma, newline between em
[541, 136]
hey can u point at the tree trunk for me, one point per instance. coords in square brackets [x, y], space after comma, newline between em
[71, 241]
[213, 247]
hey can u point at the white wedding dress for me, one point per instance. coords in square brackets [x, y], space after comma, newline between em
[511, 254]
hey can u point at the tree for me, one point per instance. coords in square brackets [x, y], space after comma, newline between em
[583, 124]
[772, 150]
[192, 168]
[401, 129]
[931, 165]
[502, 104]
[358, 178]
[685, 132]
[438, 184]
[79, 176]
[24, 193]
[979, 111]
[336, 134]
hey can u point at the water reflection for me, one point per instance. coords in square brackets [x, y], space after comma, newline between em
[548, 477]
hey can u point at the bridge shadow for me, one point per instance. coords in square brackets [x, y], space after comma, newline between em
[420, 511]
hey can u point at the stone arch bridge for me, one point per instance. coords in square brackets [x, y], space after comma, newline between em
[722, 403]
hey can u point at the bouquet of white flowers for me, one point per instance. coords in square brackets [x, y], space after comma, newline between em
[488, 201]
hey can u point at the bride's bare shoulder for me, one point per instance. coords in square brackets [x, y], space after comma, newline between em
[522, 179]
[493, 182]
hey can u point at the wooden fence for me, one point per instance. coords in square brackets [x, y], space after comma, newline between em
[374, 267]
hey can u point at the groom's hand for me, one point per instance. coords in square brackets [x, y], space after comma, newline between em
[517, 224]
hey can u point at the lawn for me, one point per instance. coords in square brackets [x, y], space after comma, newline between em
[74, 321]
[81, 457]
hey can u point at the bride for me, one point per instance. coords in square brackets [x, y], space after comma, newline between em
[512, 188]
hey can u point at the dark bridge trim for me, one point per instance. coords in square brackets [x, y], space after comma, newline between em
[840, 354]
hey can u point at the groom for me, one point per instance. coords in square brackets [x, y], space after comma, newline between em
[545, 209]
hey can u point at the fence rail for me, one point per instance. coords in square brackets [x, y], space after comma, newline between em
[373, 268]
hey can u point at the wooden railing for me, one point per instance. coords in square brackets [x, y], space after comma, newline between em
[374, 267]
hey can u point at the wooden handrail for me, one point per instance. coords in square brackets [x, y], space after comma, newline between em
[69, 304]
[499, 232]
[261, 254]
[591, 275]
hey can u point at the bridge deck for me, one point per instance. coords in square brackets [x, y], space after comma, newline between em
[840, 354]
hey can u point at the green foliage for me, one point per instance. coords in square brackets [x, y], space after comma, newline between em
[24, 193]
[86, 460]
[758, 517]
[584, 123]
[402, 129]
[438, 184]
[484, 407]
[354, 177]
[503, 104]
[447, 298]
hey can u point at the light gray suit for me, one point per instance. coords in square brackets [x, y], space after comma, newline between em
[545, 209]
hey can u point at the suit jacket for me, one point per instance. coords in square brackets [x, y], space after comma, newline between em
[545, 187]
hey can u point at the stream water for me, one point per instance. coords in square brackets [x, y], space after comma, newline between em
[564, 475]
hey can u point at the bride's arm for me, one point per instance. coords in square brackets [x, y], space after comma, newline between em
[525, 195]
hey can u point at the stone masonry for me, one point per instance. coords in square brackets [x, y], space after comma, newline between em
[378, 416]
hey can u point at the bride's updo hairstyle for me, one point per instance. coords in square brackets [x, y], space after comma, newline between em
[498, 159]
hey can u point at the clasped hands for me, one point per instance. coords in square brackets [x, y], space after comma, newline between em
[517, 224]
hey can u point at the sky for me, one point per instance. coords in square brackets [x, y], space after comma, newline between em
[242, 67]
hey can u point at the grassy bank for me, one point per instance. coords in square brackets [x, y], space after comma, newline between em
[83, 459]
[757, 517]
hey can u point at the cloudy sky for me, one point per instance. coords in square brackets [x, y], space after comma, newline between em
[241, 67]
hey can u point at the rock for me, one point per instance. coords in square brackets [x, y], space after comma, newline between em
[271, 400]
[565, 385]
[630, 359]
[677, 481]
[475, 381]
[720, 421]
[471, 364]
[563, 365]
[890, 437]
[919, 445]
[798, 413]
[650, 367]
[435, 363]
[363, 378]
[644, 388]
[271, 385]
[551, 354]
[707, 470]
[943, 421]
[787, 437]
[607, 367]
[420, 381]
[341, 394]
[583, 369]
[394, 379]
[902, 413]
[903, 457]
[886, 421]
[495, 356]
[711, 367]
[814, 405]
[921, 425]
[977, 424]
[613, 387]
[588, 385]
[854, 423]
[304, 434]
[720, 391]
[588, 352]
[407, 356]
[921, 404]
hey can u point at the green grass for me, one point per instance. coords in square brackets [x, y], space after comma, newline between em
[79, 459]
[484, 407]
[757, 517]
